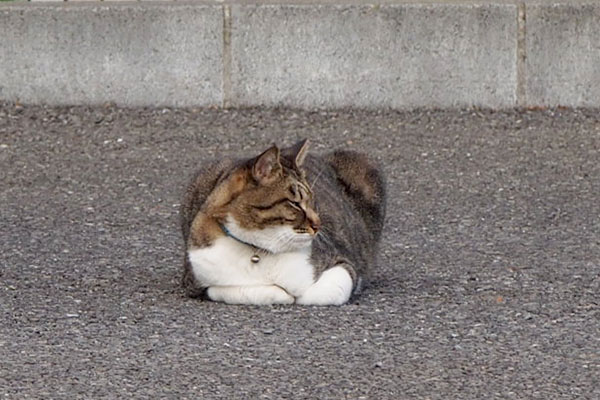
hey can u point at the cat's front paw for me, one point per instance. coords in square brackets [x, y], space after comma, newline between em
[258, 295]
[333, 287]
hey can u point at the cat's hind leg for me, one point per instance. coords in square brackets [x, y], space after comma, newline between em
[256, 294]
[333, 287]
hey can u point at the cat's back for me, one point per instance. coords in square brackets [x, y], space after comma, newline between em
[350, 195]
[351, 177]
[363, 181]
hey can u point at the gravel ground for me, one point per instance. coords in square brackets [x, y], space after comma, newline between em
[488, 285]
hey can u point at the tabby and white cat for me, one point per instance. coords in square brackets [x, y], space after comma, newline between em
[283, 227]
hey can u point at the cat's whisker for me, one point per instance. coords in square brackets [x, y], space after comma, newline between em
[282, 240]
[317, 178]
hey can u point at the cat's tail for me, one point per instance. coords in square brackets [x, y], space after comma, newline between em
[364, 183]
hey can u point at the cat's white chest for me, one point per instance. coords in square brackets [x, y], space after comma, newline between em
[229, 263]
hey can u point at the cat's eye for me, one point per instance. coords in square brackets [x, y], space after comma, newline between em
[295, 205]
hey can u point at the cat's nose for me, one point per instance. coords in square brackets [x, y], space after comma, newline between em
[315, 222]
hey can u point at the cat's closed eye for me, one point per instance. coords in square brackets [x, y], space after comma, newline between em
[295, 205]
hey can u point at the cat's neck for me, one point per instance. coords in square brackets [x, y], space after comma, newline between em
[228, 233]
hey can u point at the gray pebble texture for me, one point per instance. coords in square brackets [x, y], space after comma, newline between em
[488, 285]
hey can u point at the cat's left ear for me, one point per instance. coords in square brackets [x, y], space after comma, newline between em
[266, 168]
[297, 153]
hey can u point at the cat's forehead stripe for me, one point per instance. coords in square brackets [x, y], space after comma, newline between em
[303, 190]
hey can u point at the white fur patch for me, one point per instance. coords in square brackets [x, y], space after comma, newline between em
[227, 263]
[276, 239]
[334, 287]
[250, 294]
[282, 276]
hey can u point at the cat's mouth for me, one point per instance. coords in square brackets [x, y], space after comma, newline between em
[306, 231]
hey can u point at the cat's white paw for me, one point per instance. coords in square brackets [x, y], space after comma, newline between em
[259, 295]
[333, 287]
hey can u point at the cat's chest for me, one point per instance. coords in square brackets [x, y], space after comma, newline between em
[230, 263]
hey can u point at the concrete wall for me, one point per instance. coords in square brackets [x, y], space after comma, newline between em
[131, 54]
[563, 54]
[306, 54]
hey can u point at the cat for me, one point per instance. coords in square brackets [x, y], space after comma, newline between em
[282, 227]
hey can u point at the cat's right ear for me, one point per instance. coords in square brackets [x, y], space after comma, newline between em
[299, 152]
[267, 168]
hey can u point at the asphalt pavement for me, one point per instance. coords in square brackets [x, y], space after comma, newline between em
[488, 285]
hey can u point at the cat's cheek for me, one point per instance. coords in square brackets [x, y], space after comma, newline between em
[333, 287]
[302, 241]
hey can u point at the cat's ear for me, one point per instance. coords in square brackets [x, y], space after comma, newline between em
[267, 168]
[297, 153]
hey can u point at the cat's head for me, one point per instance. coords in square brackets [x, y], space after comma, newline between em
[273, 207]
